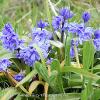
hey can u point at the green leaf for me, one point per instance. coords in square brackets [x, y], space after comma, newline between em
[27, 78]
[57, 44]
[56, 78]
[13, 82]
[88, 54]
[42, 71]
[40, 53]
[96, 68]
[5, 54]
[34, 85]
[18, 97]
[55, 65]
[67, 51]
[84, 94]
[96, 95]
[87, 92]
[46, 4]
[17, 63]
[65, 96]
[7, 93]
[80, 71]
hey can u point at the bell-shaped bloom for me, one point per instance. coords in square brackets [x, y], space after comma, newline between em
[4, 64]
[86, 16]
[18, 77]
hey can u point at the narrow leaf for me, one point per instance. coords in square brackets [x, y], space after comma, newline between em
[7, 93]
[42, 71]
[34, 85]
[88, 54]
[81, 72]
[65, 96]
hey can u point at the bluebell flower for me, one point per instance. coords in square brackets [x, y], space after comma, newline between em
[97, 44]
[39, 35]
[44, 46]
[9, 38]
[18, 77]
[85, 37]
[80, 31]
[4, 64]
[97, 34]
[42, 39]
[75, 28]
[72, 52]
[42, 24]
[71, 27]
[56, 22]
[74, 42]
[66, 13]
[86, 16]
[49, 61]
[86, 34]
[29, 55]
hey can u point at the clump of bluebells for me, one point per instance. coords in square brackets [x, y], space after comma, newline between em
[79, 31]
[42, 37]
[9, 38]
[28, 54]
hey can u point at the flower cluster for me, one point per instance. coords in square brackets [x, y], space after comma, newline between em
[4, 64]
[9, 38]
[80, 32]
[41, 38]
[83, 33]
[66, 13]
[29, 55]
[59, 21]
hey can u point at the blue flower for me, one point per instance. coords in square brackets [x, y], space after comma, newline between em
[42, 39]
[86, 16]
[44, 46]
[74, 42]
[39, 35]
[97, 44]
[9, 38]
[18, 77]
[29, 55]
[80, 31]
[4, 64]
[86, 34]
[74, 28]
[56, 22]
[72, 52]
[97, 34]
[66, 13]
[42, 24]
[49, 61]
